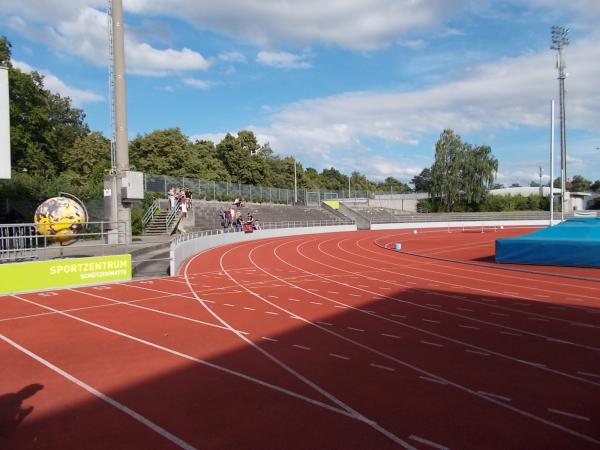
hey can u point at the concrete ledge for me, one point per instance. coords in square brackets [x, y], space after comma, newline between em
[466, 224]
[181, 250]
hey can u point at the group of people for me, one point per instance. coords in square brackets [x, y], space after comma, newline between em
[233, 219]
[180, 196]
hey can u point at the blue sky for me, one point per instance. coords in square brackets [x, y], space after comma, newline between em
[362, 85]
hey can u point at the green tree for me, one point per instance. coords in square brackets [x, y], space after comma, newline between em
[168, 152]
[5, 51]
[579, 184]
[206, 164]
[89, 154]
[312, 178]
[333, 180]
[422, 182]
[461, 174]
[392, 185]
[43, 125]
[595, 187]
[244, 159]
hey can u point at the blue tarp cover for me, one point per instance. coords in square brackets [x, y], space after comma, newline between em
[574, 242]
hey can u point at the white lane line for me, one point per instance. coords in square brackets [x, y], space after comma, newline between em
[568, 414]
[269, 339]
[272, 296]
[121, 407]
[476, 352]
[464, 309]
[430, 321]
[296, 318]
[209, 301]
[470, 327]
[47, 294]
[435, 344]
[589, 374]
[312, 290]
[332, 292]
[508, 333]
[301, 347]
[294, 300]
[227, 304]
[340, 307]
[560, 341]
[428, 442]
[355, 329]
[499, 397]
[249, 309]
[398, 315]
[583, 325]
[335, 355]
[355, 295]
[324, 323]
[433, 380]
[316, 303]
[391, 336]
[272, 313]
[529, 363]
[500, 314]
[379, 366]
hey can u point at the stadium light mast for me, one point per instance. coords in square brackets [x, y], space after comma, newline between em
[560, 39]
[116, 211]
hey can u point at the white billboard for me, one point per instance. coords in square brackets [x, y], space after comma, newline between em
[4, 125]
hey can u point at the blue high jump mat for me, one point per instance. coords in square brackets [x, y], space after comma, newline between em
[574, 242]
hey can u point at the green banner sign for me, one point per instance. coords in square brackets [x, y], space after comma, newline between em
[58, 273]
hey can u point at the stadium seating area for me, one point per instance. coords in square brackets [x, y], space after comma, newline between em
[207, 214]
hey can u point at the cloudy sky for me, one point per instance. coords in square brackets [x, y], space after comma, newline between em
[362, 85]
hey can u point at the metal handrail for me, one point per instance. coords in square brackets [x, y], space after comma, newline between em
[264, 226]
[172, 215]
[22, 242]
[149, 215]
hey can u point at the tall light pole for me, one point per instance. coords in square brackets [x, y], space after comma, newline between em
[295, 184]
[117, 213]
[560, 39]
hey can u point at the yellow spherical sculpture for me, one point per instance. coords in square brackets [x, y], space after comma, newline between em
[60, 218]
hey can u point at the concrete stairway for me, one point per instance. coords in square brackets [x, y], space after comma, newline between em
[158, 224]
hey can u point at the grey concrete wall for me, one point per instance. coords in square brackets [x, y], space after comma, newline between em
[405, 204]
[467, 224]
[182, 250]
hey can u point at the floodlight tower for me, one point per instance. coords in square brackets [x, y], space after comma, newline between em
[117, 212]
[560, 39]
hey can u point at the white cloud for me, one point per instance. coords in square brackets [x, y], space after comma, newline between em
[232, 57]
[198, 83]
[282, 60]
[85, 36]
[54, 84]
[510, 94]
[355, 24]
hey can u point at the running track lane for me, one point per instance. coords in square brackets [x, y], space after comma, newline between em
[363, 365]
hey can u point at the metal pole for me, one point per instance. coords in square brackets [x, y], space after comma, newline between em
[295, 184]
[551, 162]
[349, 187]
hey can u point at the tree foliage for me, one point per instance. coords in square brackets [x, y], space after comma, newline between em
[461, 173]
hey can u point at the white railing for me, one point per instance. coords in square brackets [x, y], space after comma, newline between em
[22, 242]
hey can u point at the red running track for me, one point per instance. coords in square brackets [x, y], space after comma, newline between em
[320, 341]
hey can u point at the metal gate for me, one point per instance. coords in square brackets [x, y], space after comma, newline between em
[312, 198]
